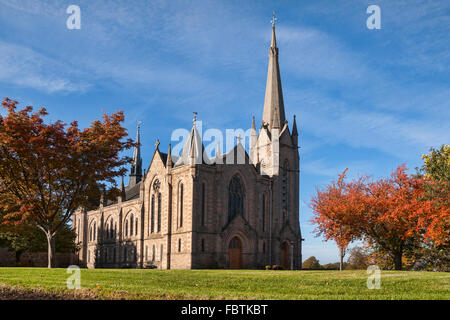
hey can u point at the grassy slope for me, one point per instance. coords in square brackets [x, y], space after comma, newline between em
[235, 284]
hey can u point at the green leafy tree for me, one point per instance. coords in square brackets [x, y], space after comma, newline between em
[436, 169]
[27, 238]
[335, 266]
[311, 264]
[357, 259]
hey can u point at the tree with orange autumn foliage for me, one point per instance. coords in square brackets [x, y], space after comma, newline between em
[391, 213]
[333, 208]
[48, 170]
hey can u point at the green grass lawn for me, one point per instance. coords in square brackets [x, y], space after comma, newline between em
[233, 284]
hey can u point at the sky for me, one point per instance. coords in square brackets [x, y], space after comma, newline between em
[365, 99]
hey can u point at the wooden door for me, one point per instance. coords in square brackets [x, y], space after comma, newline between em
[235, 253]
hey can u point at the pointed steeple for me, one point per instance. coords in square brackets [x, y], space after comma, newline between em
[253, 135]
[169, 158]
[136, 166]
[294, 128]
[273, 43]
[193, 150]
[295, 132]
[122, 191]
[274, 115]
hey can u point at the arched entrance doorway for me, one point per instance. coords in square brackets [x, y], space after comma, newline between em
[285, 256]
[235, 253]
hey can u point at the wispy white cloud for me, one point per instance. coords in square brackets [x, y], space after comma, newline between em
[323, 167]
[311, 53]
[333, 121]
[24, 67]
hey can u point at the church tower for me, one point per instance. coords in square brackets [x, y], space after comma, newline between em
[274, 135]
[276, 153]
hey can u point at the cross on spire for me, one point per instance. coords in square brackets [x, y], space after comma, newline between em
[274, 19]
[195, 117]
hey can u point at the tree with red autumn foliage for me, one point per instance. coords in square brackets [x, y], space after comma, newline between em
[391, 214]
[48, 170]
[333, 208]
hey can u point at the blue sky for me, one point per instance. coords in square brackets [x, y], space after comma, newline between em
[368, 100]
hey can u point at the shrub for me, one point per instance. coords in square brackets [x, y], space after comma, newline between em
[277, 267]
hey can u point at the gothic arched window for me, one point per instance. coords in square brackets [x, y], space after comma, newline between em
[111, 229]
[153, 253]
[156, 188]
[235, 198]
[106, 231]
[152, 218]
[131, 225]
[180, 195]
[159, 212]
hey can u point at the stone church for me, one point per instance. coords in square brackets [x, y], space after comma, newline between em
[191, 212]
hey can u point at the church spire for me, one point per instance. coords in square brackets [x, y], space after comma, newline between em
[295, 132]
[122, 190]
[273, 43]
[136, 165]
[169, 158]
[273, 115]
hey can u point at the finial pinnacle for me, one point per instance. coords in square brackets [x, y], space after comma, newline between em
[195, 117]
[274, 19]
[157, 143]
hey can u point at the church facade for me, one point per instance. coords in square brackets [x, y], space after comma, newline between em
[193, 212]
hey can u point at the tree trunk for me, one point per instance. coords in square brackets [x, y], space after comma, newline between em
[398, 260]
[51, 249]
[341, 262]
[18, 254]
